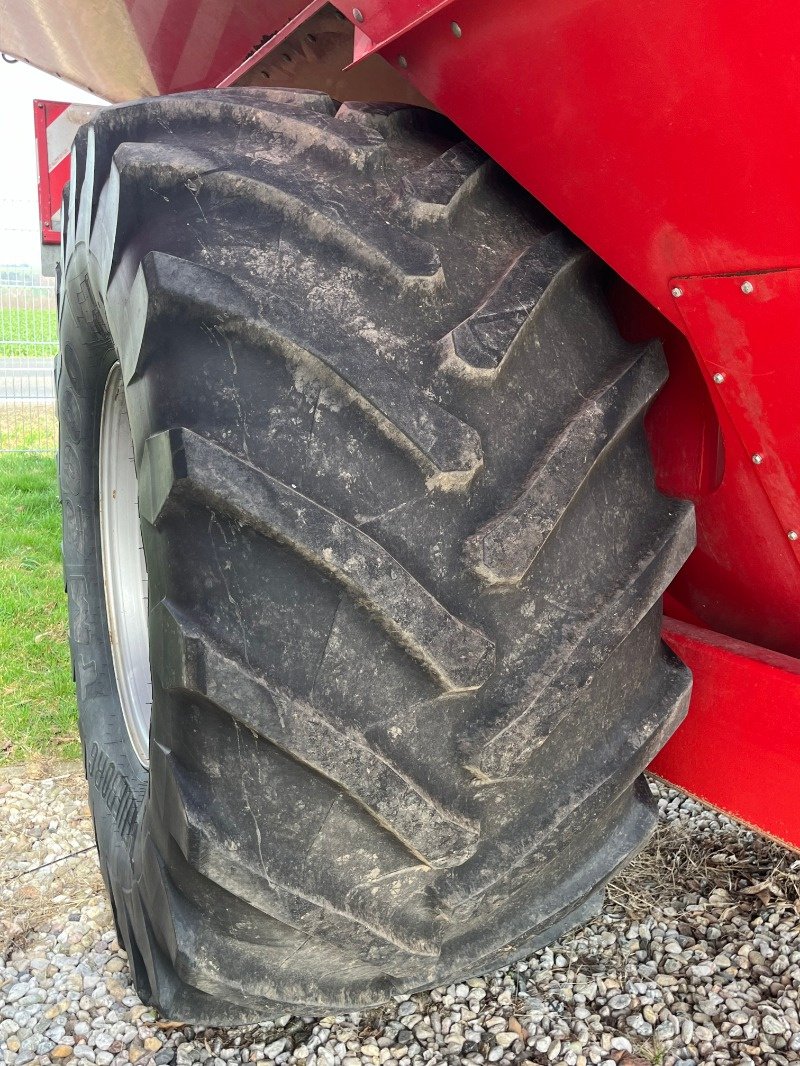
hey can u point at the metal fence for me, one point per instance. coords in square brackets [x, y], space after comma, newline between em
[28, 337]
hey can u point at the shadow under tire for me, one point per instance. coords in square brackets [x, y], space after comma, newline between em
[404, 550]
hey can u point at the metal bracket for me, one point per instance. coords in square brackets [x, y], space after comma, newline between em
[379, 22]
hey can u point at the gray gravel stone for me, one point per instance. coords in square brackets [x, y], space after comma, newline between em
[695, 959]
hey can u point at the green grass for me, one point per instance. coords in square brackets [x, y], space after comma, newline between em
[37, 698]
[28, 427]
[21, 328]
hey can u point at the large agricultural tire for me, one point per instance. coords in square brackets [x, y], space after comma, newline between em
[404, 550]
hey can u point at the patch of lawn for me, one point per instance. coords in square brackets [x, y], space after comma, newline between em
[28, 332]
[37, 698]
[28, 427]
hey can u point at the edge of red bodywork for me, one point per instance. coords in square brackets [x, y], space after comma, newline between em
[49, 196]
[272, 43]
[745, 332]
[55, 124]
[668, 145]
[738, 746]
[384, 21]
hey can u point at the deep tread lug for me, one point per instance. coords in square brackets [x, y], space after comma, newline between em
[404, 547]
[180, 463]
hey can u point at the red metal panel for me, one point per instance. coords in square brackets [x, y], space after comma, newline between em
[55, 125]
[124, 49]
[738, 747]
[742, 577]
[746, 330]
[43, 172]
[381, 21]
[667, 141]
[668, 144]
[193, 44]
[272, 43]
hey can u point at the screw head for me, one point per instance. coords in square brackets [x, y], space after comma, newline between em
[758, 459]
[358, 14]
[677, 292]
[747, 287]
[402, 62]
[454, 26]
[719, 377]
[792, 534]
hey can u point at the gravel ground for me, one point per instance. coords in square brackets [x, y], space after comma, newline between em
[696, 958]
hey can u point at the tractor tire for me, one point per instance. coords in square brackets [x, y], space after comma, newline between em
[404, 553]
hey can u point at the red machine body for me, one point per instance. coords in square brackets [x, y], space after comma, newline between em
[52, 169]
[667, 141]
[55, 125]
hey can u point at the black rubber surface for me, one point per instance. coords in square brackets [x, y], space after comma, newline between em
[405, 552]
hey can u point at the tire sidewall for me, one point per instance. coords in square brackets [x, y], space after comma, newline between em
[118, 783]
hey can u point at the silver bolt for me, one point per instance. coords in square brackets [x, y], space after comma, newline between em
[358, 14]
[747, 287]
[677, 292]
[758, 459]
[792, 534]
[719, 378]
[454, 26]
[402, 62]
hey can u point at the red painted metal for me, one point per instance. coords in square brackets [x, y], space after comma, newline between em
[383, 21]
[668, 142]
[730, 583]
[272, 43]
[746, 331]
[682, 424]
[55, 125]
[123, 49]
[50, 186]
[738, 747]
[747, 579]
[192, 44]
[668, 145]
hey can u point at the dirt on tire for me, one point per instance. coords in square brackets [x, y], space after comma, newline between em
[404, 547]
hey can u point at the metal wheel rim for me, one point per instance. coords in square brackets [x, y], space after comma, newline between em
[124, 569]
